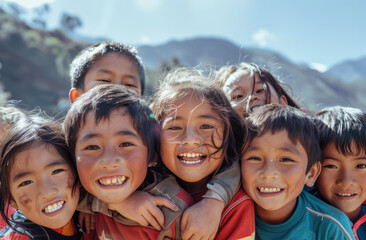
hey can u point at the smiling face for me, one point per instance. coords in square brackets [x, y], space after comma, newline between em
[239, 87]
[111, 157]
[112, 68]
[342, 182]
[41, 186]
[190, 131]
[274, 173]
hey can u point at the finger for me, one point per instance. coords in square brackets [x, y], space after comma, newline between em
[157, 214]
[81, 220]
[142, 221]
[183, 224]
[163, 201]
[152, 221]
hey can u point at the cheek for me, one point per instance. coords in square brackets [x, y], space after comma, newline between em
[24, 201]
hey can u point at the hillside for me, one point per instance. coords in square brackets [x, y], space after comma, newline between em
[34, 63]
[34, 67]
[314, 89]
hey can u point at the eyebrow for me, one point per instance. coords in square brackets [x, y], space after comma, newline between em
[119, 133]
[286, 148]
[203, 116]
[26, 173]
[110, 72]
[336, 159]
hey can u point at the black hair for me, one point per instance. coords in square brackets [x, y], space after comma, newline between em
[101, 101]
[299, 126]
[90, 55]
[342, 126]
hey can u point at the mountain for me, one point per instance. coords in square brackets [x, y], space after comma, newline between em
[34, 67]
[314, 89]
[34, 63]
[349, 71]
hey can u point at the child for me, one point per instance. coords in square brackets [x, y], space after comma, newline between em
[39, 179]
[201, 137]
[106, 62]
[8, 116]
[112, 136]
[249, 86]
[284, 154]
[342, 181]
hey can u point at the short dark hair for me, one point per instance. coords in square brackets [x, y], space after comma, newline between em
[102, 100]
[342, 125]
[30, 129]
[299, 126]
[182, 82]
[90, 55]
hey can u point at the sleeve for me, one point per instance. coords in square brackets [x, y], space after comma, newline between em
[91, 204]
[238, 219]
[224, 185]
[340, 229]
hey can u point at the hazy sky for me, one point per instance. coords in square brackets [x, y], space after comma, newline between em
[323, 32]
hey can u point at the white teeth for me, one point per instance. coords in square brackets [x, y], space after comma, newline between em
[112, 181]
[191, 162]
[269, 190]
[190, 155]
[345, 194]
[54, 207]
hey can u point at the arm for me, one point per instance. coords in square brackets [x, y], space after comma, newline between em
[222, 189]
[224, 185]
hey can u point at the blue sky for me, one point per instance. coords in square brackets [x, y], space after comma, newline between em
[323, 32]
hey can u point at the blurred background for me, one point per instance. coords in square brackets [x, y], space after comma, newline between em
[318, 48]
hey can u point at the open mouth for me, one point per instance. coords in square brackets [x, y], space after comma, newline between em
[269, 189]
[346, 194]
[112, 181]
[191, 158]
[54, 207]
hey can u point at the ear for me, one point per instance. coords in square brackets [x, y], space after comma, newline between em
[313, 174]
[154, 162]
[13, 204]
[283, 100]
[74, 94]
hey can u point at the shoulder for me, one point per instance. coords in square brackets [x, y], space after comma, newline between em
[241, 203]
[327, 217]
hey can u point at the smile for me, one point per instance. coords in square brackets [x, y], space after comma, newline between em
[191, 158]
[54, 207]
[346, 194]
[269, 190]
[112, 181]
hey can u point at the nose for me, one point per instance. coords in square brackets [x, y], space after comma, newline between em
[345, 178]
[269, 170]
[191, 136]
[47, 188]
[110, 160]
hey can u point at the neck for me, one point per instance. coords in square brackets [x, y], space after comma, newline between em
[275, 217]
[194, 187]
[354, 215]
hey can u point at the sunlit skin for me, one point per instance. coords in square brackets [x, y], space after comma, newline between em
[111, 156]
[239, 87]
[112, 68]
[274, 173]
[186, 141]
[342, 182]
[41, 186]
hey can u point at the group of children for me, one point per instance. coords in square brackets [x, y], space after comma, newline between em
[230, 157]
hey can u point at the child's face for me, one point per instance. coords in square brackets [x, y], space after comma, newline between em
[111, 157]
[190, 130]
[342, 182]
[41, 183]
[273, 175]
[239, 87]
[113, 68]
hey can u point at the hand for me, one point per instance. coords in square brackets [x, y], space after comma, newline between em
[141, 207]
[202, 220]
[87, 221]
